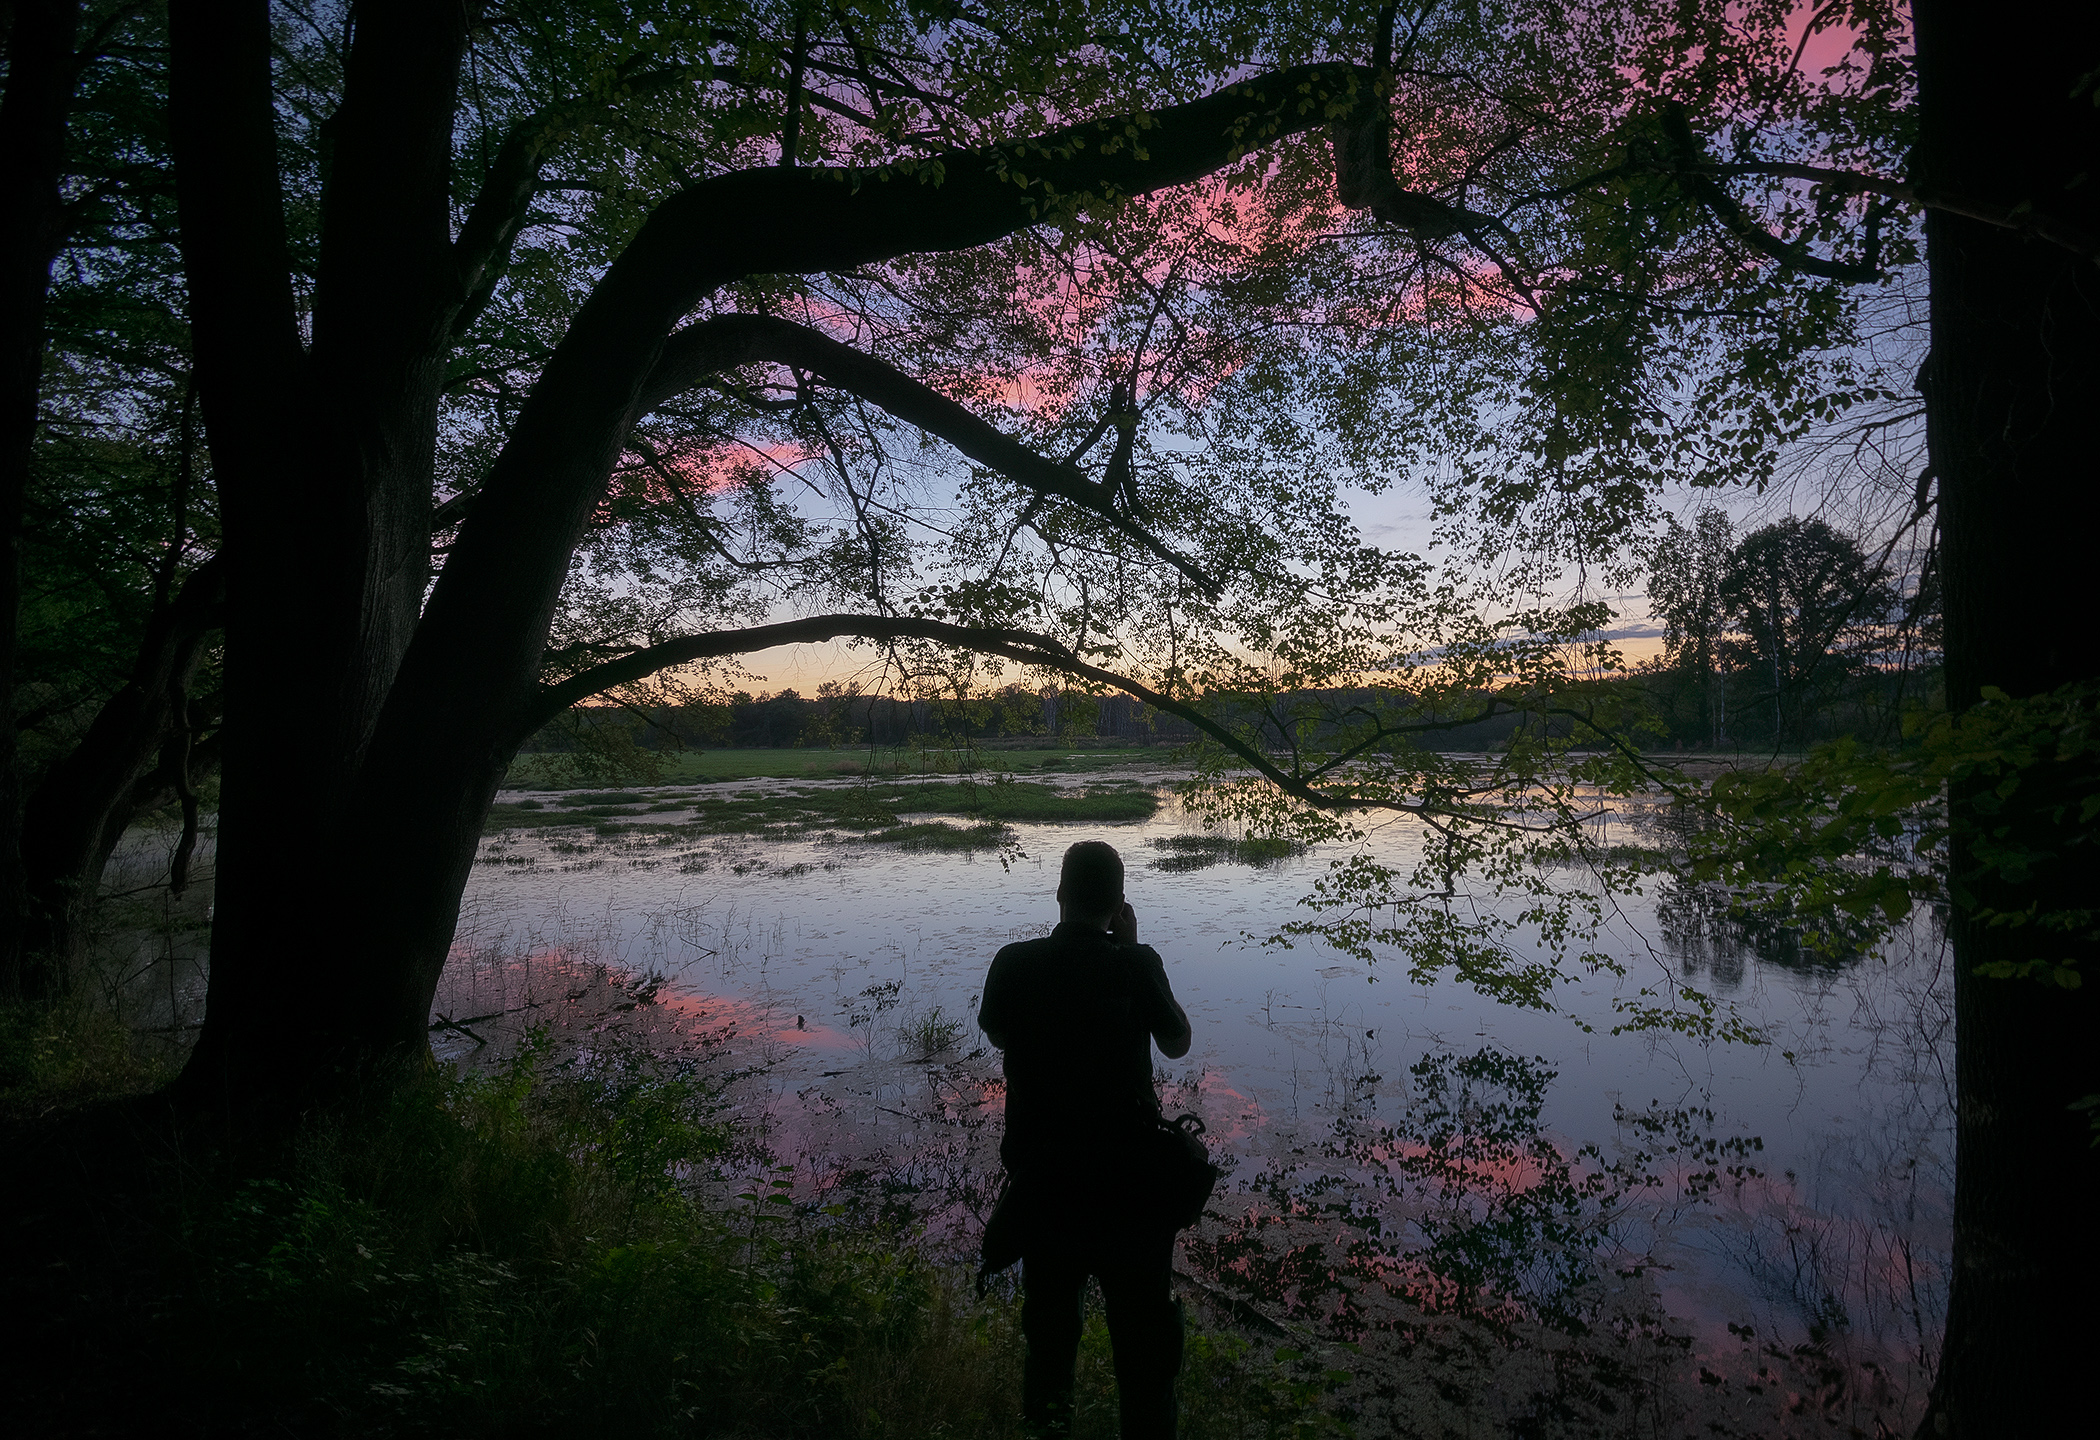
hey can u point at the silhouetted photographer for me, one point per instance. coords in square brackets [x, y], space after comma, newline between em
[1092, 1169]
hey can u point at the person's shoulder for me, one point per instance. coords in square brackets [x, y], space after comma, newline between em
[1022, 951]
[1143, 954]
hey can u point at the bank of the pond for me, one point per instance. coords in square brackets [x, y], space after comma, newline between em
[587, 1230]
[735, 1192]
[544, 1247]
[834, 960]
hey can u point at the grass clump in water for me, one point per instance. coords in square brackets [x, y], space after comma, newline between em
[875, 807]
[525, 815]
[1199, 852]
[939, 835]
[1027, 800]
[929, 1036]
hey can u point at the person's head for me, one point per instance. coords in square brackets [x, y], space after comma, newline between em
[1090, 886]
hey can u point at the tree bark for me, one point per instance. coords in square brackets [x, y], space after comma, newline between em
[41, 71]
[2012, 389]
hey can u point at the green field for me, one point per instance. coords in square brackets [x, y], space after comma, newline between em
[697, 767]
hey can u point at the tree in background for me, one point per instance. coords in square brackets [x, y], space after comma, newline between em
[1685, 577]
[1796, 590]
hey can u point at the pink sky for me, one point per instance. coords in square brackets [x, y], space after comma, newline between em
[1069, 301]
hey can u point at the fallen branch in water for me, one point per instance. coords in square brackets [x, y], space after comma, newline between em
[446, 1022]
[1237, 1308]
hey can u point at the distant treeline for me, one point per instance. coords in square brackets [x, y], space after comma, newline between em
[836, 716]
[1742, 709]
[1680, 704]
[839, 717]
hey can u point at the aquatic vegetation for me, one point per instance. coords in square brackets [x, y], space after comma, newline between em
[807, 810]
[938, 835]
[1199, 852]
[927, 1036]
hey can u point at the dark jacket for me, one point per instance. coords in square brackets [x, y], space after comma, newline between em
[1076, 1013]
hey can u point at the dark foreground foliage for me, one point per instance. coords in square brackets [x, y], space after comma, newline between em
[575, 1248]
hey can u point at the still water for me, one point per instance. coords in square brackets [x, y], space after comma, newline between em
[840, 966]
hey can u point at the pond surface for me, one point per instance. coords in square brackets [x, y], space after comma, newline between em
[844, 966]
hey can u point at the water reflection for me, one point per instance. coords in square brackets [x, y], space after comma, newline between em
[1571, 1220]
[1714, 936]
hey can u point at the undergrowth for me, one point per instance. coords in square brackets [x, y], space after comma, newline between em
[67, 1055]
[577, 1248]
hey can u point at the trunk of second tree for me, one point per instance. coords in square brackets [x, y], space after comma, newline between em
[2013, 394]
[32, 225]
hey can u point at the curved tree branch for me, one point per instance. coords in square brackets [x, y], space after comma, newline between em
[1364, 179]
[1689, 165]
[483, 632]
[1363, 168]
[727, 341]
[2022, 217]
[1363, 158]
[1022, 645]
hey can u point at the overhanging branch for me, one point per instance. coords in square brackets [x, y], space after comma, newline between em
[727, 341]
[2022, 217]
[1024, 646]
[484, 626]
[1693, 172]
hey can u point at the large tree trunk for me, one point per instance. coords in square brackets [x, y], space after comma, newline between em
[40, 77]
[80, 809]
[323, 461]
[2012, 393]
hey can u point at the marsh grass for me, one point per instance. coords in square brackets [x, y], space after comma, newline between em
[938, 835]
[926, 1037]
[1200, 852]
[877, 809]
[705, 766]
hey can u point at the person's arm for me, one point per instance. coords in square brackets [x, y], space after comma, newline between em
[1172, 1035]
[991, 1011]
[1169, 1023]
